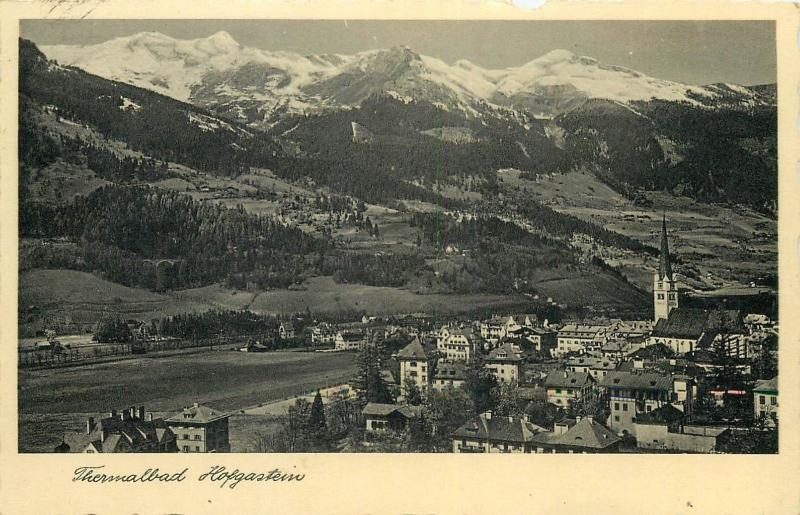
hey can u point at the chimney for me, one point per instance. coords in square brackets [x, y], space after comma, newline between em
[141, 412]
[132, 412]
[488, 415]
[150, 417]
[89, 425]
[577, 418]
[102, 435]
[591, 418]
[113, 413]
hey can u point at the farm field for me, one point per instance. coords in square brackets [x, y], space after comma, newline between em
[323, 295]
[52, 401]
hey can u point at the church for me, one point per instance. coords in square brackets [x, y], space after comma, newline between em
[665, 289]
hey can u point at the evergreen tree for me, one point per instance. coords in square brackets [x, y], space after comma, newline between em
[369, 381]
[316, 420]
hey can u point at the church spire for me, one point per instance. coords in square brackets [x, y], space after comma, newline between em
[664, 266]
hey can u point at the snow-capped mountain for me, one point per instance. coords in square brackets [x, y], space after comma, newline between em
[257, 85]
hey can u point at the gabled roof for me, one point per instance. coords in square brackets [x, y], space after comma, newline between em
[636, 381]
[691, 323]
[497, 428]
[382, 410]
[591, 362]
[196, 413]
[504, 353]
[413, 350]
[586, 433]
[567, 379]
[767, 386]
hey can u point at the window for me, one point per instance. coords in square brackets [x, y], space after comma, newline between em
[413, 363]
[196, 437]
[773, 401]
[558, 390]
[616, 418]
[624, 407]
[186, 436]
[761, 399]
[185, 448]
[660, 296]
[197, 448]
[616, 406]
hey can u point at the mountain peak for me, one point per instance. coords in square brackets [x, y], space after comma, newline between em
[222, 37]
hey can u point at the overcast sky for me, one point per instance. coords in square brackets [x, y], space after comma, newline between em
[690, 52]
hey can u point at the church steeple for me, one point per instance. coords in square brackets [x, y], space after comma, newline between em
[664, 266]
[665, 289]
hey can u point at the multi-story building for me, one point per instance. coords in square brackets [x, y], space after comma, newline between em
[496, 328]
[199, 428]
[765, 400]
[488, 433]
[126, 431]
[597, 367]
[455, 344]
[323, 334]
[449, 374]
[577, 338]
[414, 366]
[350, 340]
[286, 330]
[542, 339]
[686, 330]
[632, 393]
[563, 387]
[504, 363]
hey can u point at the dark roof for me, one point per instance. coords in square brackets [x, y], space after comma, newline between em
[767, 386]
[652, 352]
[413, 350]
[450, 370]
[691, 323]
[197, 413]
[497, 428]
[567, 379]
[120, 435]
[586, 433]
[503, 353]
[637, 380]
[382, 410]
[666, 414]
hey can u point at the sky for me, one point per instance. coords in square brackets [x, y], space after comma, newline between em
[691, 52]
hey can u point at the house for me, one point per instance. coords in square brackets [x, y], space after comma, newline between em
[495, 328]
[577, 338]
[488, 433]
[350, 340]
[380, 418]
[633, 393]
[765, 400]
[199, 428]
[564, 386]
[584, 435]
[530, 320]
[504, 363]
[665, 429]
[598, 368]
[455, 344]
[413, 364]
[286, 330]
[542, 340]
[126, 431]
[654, 352]
[323, 334]
[449, 373]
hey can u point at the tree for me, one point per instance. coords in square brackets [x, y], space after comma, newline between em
[316, 420]
[369, 380]
[419, 434]
[412, 393]
[447, 410]
[480, 385]
[508, 401]
[112, 330]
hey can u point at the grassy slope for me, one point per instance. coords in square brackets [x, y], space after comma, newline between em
[717, 240]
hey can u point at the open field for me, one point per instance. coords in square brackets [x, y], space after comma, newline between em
[52, 401]
[323, 295]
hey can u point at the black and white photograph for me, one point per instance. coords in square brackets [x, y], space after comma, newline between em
[397, 236]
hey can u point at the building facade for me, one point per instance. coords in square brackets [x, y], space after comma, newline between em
[199, 428]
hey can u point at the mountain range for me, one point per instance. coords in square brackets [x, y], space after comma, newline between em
[258, 86]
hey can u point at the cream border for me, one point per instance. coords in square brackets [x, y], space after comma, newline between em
[417, 483]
